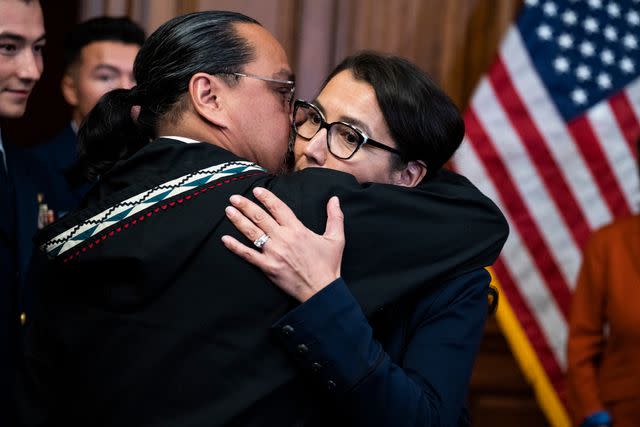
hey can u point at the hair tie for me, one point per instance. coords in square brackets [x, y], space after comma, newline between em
[135, 96]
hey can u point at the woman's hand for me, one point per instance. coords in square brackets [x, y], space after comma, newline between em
[296, 259]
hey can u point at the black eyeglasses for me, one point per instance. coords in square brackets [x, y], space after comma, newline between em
[287, 88]
[343, 139]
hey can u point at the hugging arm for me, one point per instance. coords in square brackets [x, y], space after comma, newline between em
[417, 377]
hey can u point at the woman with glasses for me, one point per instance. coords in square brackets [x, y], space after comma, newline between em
[381, 119]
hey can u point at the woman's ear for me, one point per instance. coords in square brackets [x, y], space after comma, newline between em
[411, 175]
[206, 94]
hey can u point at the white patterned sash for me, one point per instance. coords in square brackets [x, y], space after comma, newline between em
[125, 209]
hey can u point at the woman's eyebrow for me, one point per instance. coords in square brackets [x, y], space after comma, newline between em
[357, 123]
[318, 104]
[347, 119]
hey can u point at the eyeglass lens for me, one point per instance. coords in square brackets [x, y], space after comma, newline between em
[343, 141]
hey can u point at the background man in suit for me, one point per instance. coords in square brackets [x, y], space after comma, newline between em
[22, 38]
[98, 57]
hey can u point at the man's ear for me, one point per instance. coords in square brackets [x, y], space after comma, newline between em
[206, 93]
[411, 175]
[69, 90]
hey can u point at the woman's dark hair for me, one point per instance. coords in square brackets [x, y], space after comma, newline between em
[196, 42]
[423, 121]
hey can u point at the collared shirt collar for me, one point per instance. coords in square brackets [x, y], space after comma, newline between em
[182, 139]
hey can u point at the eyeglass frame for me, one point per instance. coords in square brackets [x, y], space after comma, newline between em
[325, 125]
[291, 83]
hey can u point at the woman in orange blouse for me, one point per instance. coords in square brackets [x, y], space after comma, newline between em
[604, 330]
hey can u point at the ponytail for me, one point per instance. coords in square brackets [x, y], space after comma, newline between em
[109, 133]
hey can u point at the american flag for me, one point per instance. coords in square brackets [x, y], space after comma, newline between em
[551, 133]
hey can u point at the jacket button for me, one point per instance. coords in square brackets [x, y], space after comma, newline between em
[287, 330]
[303, 349]
[331, 385]
[315, 367]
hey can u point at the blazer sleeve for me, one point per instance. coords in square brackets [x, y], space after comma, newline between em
[330, 338]
[586, 341]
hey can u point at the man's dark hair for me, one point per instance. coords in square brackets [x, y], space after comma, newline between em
[197, 42]
[423, 121]
[103, 28]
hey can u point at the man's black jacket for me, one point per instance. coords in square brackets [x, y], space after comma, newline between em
[145, 318]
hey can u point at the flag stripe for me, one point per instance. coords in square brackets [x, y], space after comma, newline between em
[582, 132]
[633, 95]
[520, 264]
[616, 150]
[515, 206]
[529, 362]
[497, 126]
[529, 325]
[539, 153]
[627, 120]
[548, 121]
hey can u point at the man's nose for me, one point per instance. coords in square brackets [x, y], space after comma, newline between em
[127, 83]
[30, 67]
[316, 148]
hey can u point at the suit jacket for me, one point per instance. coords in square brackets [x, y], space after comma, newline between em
[33, 172]
[60, 154]
[8, 280]
[42, 170]
[604, 327]
[27, 178]
[146, 319]
[409, 366]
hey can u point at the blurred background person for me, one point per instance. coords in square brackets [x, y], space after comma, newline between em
[98, 56]
[22, 38]
[604, 329]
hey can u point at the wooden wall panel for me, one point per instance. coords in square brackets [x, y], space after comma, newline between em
[278, 16]
[454, 41]
[499, 394]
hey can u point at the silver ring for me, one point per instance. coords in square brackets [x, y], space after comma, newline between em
[260, 241]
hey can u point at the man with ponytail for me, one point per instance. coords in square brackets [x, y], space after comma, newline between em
[144, 317]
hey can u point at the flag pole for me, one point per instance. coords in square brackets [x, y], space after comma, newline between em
[528, 361]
